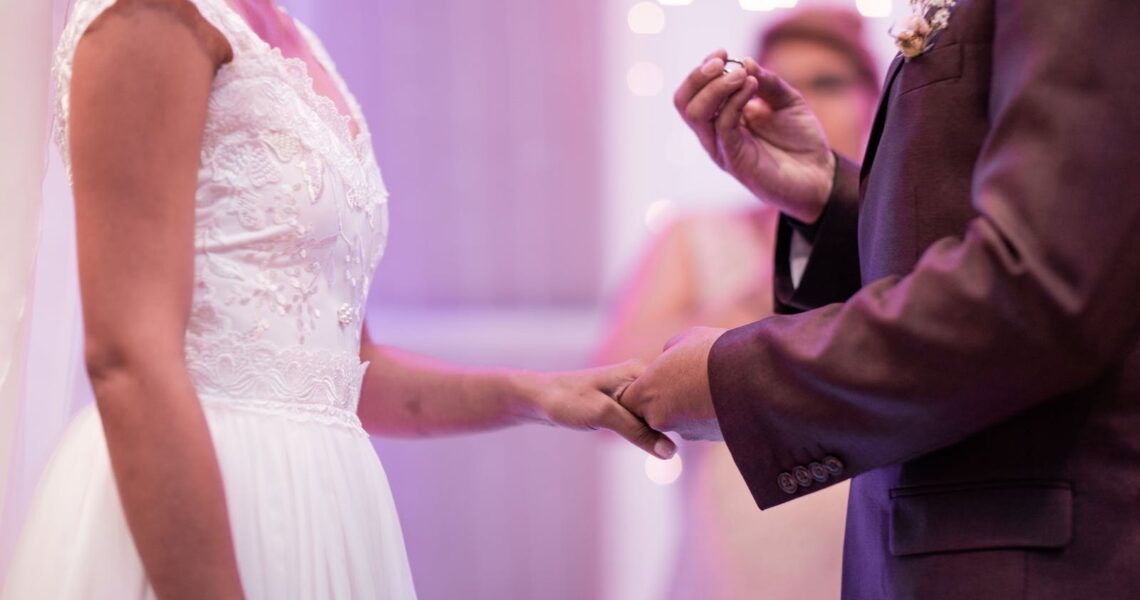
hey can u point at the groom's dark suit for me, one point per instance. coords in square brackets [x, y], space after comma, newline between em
[968, 344]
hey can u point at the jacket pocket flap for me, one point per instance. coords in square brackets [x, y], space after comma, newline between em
[981, 516]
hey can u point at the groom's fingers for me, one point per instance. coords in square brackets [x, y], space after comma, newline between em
[711, 67]
[703, 127]
[702, 110]
[756, 115]
[775, 92]
[629, 421]
[630, 427]
[614, 380]
[728, 126]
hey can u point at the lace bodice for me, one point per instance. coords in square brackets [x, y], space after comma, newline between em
[290, 221]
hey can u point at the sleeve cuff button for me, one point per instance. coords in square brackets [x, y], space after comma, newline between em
[803, 476]
[787, 483]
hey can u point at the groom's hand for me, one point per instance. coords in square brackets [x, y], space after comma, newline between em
[587, 399]
[759, 129]
[673, 392]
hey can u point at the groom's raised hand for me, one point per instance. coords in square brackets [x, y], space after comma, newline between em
[673, 392]
[759, 129]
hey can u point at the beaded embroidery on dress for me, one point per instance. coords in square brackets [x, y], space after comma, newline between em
[291, 219]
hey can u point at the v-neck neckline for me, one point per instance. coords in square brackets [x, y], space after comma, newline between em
[349, 121]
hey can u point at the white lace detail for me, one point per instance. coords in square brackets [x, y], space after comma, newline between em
[296, 383]
[291, 220]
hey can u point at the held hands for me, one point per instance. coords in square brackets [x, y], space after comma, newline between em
[672, 394]
[587, 400]
[635, 401]
[759, 129]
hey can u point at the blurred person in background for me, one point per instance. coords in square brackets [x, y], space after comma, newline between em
[714, 269]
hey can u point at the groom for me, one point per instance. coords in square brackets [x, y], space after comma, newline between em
[976, 369]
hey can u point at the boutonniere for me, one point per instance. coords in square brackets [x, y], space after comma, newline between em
[914, 33]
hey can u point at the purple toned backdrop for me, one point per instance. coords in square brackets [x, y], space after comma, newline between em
[485, 118]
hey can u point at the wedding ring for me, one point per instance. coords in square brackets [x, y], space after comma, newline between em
[731, 65]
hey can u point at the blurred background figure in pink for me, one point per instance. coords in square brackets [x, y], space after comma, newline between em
[713, 268]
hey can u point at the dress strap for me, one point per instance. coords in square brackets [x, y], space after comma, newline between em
[83, 13]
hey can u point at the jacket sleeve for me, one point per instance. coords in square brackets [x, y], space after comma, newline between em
[1040, 295]
[832, 271]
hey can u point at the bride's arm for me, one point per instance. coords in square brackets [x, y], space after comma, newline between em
[405, 394]
[138, 106]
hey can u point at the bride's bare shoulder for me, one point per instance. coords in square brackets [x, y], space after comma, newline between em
[157, 15]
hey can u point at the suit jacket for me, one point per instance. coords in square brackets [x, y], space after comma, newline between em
[966, 343]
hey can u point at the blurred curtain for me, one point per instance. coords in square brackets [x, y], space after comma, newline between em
[486, 118]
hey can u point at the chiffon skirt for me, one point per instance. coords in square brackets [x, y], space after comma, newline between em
[310, 509]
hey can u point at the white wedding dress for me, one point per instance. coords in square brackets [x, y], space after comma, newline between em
[291, 220]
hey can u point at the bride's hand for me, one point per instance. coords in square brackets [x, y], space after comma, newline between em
[585, 400]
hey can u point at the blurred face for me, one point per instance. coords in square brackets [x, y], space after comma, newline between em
[832, 87]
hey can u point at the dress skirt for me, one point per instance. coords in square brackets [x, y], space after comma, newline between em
[310, 510]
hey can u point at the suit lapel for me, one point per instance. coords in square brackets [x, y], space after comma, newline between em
[880, 116]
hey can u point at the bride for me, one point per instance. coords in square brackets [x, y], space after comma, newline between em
[230, 214]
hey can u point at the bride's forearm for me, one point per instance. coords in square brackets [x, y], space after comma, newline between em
[408, 395]
[168, 478]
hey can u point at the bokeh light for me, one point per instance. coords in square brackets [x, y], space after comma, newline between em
[663, 472]
[646, 17]
[874, 8]
[660, 214]
[757, 4]
[645, 79]
[675, 2]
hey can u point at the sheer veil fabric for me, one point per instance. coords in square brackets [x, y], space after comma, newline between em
[42, 382]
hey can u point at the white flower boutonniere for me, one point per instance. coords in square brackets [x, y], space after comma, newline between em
[927, 17]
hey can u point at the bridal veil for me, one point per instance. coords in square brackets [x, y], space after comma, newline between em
[42, 379]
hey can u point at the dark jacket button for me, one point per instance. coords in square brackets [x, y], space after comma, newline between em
[833, 465]
[787, 483]
[803, 476]
[818, 472]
